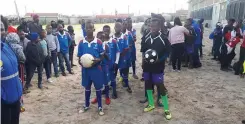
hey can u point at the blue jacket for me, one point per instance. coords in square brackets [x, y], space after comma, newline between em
[197, 29]
[64, 41]
[11, 88]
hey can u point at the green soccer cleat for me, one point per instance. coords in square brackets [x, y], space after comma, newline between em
[149, 108]
[168, 115]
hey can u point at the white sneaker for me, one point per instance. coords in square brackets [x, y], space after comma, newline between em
[178, 70]
[173, 70]
[50, 81]
[101, 112]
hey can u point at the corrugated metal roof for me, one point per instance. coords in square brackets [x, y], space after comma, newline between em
[112, 16]
[43, 14]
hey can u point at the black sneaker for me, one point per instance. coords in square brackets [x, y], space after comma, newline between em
[243, 121]
[40, 86]
[103, 92]
[142, 79]
[129, 90]
[63, 74]
[114, 95]
[71, 72]
[56, 75]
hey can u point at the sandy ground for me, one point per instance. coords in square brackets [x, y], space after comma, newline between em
[198, 96]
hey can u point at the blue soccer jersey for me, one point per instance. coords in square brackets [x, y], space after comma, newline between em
[95, 73]
[113, 50]
[64, 40]
[130, 41]
[123, 45]
[133, 48]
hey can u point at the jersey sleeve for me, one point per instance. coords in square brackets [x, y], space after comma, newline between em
[80, 49]
[126, 42]
[100, 46]
[116, 46]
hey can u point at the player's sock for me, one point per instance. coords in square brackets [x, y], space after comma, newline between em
[107, 91]
[150, 101]
[107, 98]
[166, 108]
[159, 99]
[87, 97]
[125, 80]
[133, 67]
[98, 95]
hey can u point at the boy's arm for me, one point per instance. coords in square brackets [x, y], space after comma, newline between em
[126, 46]
[80, 52]
[21, 54]
[117, 52]
[167, 50]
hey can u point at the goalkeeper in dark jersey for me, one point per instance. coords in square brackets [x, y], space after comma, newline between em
[154, 72]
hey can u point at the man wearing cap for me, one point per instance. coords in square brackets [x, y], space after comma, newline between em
[35, 26]
[35, 58]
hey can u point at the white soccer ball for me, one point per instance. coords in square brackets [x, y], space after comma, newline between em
[86, 60]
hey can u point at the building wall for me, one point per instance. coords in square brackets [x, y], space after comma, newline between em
[207, 9]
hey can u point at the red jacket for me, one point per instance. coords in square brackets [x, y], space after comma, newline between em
[233, 42]
[243, 43]
[11, 29]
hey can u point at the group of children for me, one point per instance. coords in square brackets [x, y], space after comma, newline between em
[224, 45]
[111, 53]
[38, 50]
[118, 52]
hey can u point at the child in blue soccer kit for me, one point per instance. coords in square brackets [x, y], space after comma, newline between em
[114, 55]
[105, 69]
[133, 48]
[123, 45]
[94, 74]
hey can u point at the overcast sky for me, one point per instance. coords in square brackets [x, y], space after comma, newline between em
[90, 7]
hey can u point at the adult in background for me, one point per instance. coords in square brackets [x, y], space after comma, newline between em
[54, 27]
[200, 22]
[177, 40]
[35, 26]
[10, 86]
[238, 68]
[189, 42]
[35, 58]
[24, 25]
[64, 41]
[72, 44]
[228, 34]
[23, 40]
[54, 48]
[3, 31]
[145, 26]
[197, 44]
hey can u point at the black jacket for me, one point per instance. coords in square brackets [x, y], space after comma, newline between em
[162, 47]
[190, 39]
[35, 28]
[34, 53]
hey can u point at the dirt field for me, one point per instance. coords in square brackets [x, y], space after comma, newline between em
[198, 96]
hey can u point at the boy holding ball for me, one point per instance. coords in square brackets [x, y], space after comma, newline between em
[94, 74]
